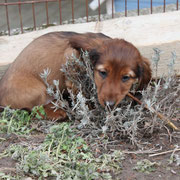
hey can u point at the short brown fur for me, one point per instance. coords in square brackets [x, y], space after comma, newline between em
[22, 87]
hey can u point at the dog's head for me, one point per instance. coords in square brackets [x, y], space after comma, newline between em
[117, 65]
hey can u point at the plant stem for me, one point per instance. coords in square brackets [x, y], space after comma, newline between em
[161, 116]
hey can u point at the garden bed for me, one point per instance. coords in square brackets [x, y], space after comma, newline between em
[127, 143]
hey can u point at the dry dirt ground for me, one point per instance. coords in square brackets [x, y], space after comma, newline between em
[164, 171]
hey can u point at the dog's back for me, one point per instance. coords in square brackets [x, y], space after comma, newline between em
[21, 86]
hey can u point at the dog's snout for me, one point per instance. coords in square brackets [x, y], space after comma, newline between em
[110, 104]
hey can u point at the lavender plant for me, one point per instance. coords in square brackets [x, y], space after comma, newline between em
[156, 59]
[126, 120]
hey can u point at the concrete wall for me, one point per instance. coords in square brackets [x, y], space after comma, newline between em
[145, 32]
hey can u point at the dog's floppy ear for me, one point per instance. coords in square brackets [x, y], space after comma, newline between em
[144, 73]
[85, 44]
[82, 43]
[94, 56]
[79, 44]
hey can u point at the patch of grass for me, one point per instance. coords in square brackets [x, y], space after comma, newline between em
[18, 121]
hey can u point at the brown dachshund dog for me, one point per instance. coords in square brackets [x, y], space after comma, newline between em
[117, 65]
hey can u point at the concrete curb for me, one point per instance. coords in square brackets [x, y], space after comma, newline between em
[145, 32]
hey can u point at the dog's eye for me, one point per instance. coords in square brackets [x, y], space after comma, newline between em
[103, 74]
[125, 78]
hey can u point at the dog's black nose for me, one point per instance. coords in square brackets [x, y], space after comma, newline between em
[110, 104]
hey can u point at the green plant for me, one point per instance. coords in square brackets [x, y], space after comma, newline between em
[37, 163]
[18, 121]
[64, 155]
[146, 166]
[4, 176]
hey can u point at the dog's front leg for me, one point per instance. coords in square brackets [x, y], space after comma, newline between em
[59, 114]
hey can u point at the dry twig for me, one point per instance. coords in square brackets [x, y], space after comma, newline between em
[165, 152]
[140, 152]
